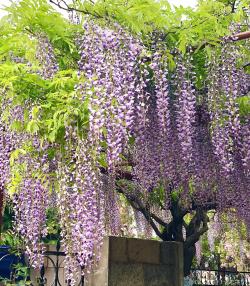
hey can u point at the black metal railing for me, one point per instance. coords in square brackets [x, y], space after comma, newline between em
[56, 259]
[222, 277]
[50, 274]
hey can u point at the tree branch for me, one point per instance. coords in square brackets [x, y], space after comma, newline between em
[241, 36]
[194, 229]
[159, 220]
[149, 219]
[138, 205]
[120, 174]
[69, 9]
[205, 206]
[233, 6]
[234, 38]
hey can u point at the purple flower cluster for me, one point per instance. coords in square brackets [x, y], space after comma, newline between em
[224, 112]
[146, 154]
[108, 61]
[109, 64]
[185, 113]
[5, 149]
[230, 133]
[163, 120]
[30, 217]
[46, 57]
[245, 131]
[159, 67]
[198, 251]
[144, 134]
[81, 206]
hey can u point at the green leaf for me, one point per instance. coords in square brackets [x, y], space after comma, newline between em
[17, 125]
[52, 136]
[103, 160]
[35, 111]
[244, 105]
[32, 127]
[15, 155]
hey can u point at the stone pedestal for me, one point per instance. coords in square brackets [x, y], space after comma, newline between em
[138, 262]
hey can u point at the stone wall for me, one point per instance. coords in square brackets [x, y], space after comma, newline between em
[138, 262]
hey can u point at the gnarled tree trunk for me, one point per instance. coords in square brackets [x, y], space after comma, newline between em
[173, 231]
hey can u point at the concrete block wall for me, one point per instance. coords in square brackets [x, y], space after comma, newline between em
[138, 262]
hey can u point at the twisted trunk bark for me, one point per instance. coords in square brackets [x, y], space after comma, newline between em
[189, 254]
[173, 231]
[194, 230]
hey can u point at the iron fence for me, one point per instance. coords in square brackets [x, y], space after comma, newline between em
[56, 271]
[221, 277]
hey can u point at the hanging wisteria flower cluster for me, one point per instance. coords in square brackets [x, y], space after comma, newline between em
[46, 57]
[140, 114]
[6, 148]
[30, 213]
[229, 132]
[185, 110]
[109, 63]
[82, 227]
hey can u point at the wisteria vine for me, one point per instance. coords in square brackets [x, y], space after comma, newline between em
[140, 114]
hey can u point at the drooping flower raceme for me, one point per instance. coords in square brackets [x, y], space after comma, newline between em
[108, 61]
[229, 135]
[81, 208]
[30, 217]
[5, 149]
[185, 117]
[107, 66]
[46, 57]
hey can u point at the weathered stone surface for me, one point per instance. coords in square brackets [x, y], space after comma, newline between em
[138, 262]
[158, 275]
[171, 252]
[118, 250]
[143, 251]
[126, 274]
[99, 277]
[172, 257]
